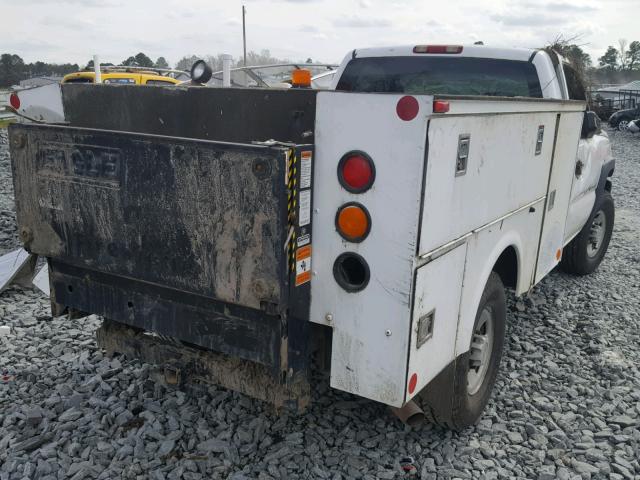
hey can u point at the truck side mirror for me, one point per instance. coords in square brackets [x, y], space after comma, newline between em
[590, 124]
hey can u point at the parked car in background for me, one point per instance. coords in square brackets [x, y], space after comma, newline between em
[621, 118]
[130, 76]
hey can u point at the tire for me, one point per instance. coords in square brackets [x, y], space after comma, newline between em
[580, 256]
[623, 124]
[449, 401]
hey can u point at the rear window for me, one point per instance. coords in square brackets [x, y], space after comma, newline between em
[158, 82]
[119, 80]
[79, 80]
[441, 75]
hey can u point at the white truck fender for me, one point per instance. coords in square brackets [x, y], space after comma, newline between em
[479, 266]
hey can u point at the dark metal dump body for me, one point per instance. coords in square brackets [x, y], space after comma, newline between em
[186, 238]
[202, 217]
[239, 115]
[150, 216]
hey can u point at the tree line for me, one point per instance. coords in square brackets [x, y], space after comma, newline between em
[13, 69]
[617, 65]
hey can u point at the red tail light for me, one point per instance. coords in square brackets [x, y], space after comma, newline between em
[356, 172]
[437, 49]
[14, 101]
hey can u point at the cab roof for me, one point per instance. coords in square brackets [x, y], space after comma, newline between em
[478, 51]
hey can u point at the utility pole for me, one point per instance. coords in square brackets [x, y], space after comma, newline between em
[244, 36]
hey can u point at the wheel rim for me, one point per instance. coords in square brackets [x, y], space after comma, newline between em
[622, 126]
[596, 234]
[481, 349]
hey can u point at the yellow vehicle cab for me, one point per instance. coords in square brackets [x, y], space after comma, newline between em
[124, 76]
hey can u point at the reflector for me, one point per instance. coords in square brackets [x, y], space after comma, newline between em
[353, 222]
[413, 381]
[14, 101]
[356, 172]
[407, 108]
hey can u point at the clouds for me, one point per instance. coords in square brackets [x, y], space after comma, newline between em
[73, 30]
[361, 22]
[527, 20]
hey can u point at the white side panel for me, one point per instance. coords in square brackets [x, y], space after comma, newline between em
[437, 294]
[557, 204]
[43, 104]
[503, 172]
[371, 327]
[593, 153]
[520, 231]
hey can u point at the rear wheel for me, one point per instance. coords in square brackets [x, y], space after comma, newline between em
[623, 124]
[585, 252]
[458, 396]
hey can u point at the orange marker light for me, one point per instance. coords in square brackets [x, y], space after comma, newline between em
[353, 222]
[301, 77]
[558, 254]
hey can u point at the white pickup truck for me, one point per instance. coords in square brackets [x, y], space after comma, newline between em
[378, 223]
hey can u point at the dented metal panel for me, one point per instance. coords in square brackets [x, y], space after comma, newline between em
[370, 327]
[198, 216]
[228, 114]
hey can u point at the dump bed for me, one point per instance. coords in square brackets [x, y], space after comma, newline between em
[177, 234]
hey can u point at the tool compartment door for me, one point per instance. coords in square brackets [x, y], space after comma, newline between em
[567, 136]
[438, 287]
[208, 218]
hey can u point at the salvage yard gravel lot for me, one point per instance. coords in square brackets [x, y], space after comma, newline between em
[566, 404]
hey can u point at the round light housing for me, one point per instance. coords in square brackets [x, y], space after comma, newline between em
[356, 171]
[201, 72]
[353, 222]
[351, 272]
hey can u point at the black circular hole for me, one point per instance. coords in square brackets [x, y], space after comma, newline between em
[351, 271]
[130, 304]
[70, 288]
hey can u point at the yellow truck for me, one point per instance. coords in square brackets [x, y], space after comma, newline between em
[128, 76]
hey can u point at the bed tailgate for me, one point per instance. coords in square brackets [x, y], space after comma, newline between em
[184, 237]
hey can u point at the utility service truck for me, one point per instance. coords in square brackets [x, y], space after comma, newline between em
[232, 235]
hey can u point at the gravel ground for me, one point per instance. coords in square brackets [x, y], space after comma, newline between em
[566, 404]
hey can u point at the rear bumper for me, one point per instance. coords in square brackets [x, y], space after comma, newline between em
[226, 328]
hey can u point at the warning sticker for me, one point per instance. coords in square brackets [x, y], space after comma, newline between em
[304, 215]
[304, 240]
[305, 169]
[303, 265]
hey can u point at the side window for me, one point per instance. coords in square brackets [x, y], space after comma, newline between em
[79, 80]
[574, 83]
[119, 80]
[158, 82]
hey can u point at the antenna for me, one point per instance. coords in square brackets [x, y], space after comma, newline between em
[244, 36]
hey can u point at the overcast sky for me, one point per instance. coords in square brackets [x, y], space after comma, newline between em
[73, 30]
